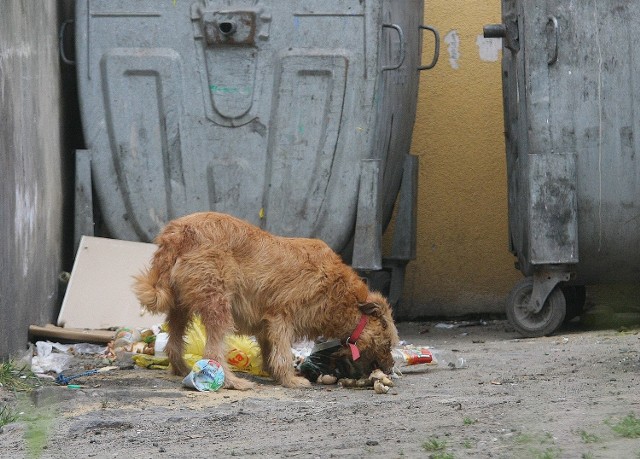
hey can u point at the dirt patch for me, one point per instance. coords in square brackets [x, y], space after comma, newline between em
[560, 396]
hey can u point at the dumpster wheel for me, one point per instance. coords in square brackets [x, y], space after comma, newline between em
[530, 324]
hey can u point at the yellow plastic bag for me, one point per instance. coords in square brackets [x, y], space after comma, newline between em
[243, 352]
[151, 362]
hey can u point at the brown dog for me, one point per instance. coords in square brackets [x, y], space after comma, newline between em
[240, 278]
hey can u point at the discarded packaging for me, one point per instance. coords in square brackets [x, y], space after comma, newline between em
[148, 349]
[161, 343]
[55, 357]
[325, 359]
[409, 355]
[125, 337]
[205, 375]
[136, 341]
[151, 362]
[449, 360]
[47, 360]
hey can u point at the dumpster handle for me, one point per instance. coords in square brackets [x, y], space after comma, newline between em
[436, 51]
[61, 33]
[402, 47]
[554, 57]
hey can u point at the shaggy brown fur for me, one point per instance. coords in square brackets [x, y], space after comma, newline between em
[239, 278]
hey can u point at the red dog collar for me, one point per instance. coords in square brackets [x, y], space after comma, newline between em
[353, 339]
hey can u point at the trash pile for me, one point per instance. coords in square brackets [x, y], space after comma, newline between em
[55, 357]
[145, 347]
[322, 367]
[319, 362]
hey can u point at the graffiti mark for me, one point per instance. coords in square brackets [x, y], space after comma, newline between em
[452, 39]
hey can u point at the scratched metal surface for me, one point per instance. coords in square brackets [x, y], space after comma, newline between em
[572, 132]
[262, 109]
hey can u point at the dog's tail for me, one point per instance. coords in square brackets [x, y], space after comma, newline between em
[153, 286]
[154, 295]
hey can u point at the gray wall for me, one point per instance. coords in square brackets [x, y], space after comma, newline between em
[31, 164]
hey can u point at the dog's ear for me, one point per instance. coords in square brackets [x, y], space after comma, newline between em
[371, 309]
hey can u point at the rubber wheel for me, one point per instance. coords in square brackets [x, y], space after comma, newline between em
[543, 323]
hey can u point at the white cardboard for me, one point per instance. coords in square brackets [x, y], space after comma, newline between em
[99, 293]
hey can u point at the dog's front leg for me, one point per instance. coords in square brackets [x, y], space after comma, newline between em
[278, 339]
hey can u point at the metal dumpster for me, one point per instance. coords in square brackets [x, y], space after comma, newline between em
[572, 128]
[296, 116]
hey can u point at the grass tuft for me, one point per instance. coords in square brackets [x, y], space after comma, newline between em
[19, 379]
[588, 438]
[7, 415]
[434, 444]
[627, 427]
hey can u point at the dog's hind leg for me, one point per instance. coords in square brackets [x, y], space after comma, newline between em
[280, 357]
[177, 321]
[265, 350]
[205, 278]
[218, 323]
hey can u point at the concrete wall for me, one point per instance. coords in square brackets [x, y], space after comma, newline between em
[31, 193]
[464, 265]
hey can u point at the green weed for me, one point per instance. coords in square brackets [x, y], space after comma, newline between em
[434, 444]
[523, 439]
[628, 427]
[441, 455]
[7, 415]
[588, 438]
[19, 379]
[467, 421]
[531, 443]
[549, 453]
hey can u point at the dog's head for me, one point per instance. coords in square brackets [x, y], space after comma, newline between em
[379, 336]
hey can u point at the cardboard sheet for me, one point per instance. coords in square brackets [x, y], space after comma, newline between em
[99, 294]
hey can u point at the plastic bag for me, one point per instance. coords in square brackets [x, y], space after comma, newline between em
[326, 360]
[243, 352]
[55, 357]
[50, 357]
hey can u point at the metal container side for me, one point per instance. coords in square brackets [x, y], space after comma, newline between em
[271, 122]
[570, 82]
[572, 124]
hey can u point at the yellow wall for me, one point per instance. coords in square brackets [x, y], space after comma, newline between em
[463, 265]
